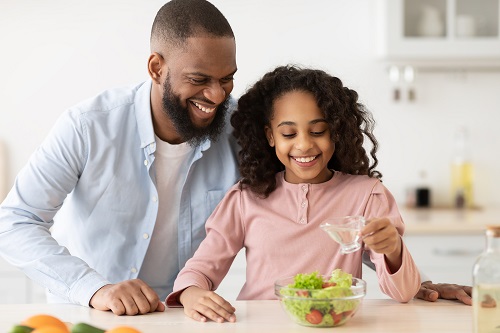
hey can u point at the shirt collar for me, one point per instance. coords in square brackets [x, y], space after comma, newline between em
[143, 116]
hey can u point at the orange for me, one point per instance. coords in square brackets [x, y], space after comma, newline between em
[41, 320]
[123, 329]
[50, 329]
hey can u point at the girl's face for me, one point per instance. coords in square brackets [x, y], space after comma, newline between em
[301, 136]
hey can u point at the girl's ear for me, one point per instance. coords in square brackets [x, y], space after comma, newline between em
[269, 136]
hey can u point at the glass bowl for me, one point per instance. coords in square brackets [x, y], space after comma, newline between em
[326, 307]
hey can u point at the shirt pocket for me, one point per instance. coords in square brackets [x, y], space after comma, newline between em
[212, 200]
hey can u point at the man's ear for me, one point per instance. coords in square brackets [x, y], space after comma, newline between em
[269, 136]
[155, 67]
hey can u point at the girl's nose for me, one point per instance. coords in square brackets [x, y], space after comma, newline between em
[303, 142]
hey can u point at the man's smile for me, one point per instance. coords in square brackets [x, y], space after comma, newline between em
[204, 108]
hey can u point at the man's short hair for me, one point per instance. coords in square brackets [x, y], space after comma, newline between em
[178, 20]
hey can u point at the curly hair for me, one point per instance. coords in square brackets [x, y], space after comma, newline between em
[349, 122]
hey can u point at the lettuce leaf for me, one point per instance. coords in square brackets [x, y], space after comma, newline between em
[341, 278]
[307, 281]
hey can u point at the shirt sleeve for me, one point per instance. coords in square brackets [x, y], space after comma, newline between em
[405, 283]
[213, 258]
[26, 215]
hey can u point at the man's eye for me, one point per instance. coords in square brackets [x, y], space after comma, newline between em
[227, 79]
[197, 81]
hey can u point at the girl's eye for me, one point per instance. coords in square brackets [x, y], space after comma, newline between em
[318, 133]
[288, 135]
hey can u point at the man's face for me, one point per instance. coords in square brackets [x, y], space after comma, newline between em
[181, 119]
[197, 86]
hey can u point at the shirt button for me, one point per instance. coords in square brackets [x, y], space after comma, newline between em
[145, 236]
[304, 188]
[155, 199]
[145, 162]
[133, 270]
[303, 204]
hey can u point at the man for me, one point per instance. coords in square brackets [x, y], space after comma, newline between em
[118, 163]
[132, 174]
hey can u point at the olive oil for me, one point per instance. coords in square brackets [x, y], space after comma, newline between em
[462, 184]
[486, 285]
[486, 303]
[462, 172]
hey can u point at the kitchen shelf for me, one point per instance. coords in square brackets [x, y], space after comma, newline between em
[440, 33]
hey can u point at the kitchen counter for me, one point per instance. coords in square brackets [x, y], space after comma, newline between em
[448, 221]
[375, 315]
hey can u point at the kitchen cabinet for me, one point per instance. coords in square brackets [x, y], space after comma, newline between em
[442, 258]
[16, 288]
[235, 278]
[13, 285]
[446, 259]
[440, 32]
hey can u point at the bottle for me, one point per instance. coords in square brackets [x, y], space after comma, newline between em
[462, 172]
[486, 284]
[423, 192]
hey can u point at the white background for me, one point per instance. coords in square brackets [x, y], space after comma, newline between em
[54, 53]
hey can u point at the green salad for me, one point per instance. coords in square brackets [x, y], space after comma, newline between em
[311, 299]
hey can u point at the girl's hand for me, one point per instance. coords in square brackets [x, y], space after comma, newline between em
[381, 236]
[201, 305]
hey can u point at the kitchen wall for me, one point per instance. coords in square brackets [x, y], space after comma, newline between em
[56, 53]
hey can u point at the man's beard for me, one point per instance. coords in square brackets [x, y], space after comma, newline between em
[179, 115]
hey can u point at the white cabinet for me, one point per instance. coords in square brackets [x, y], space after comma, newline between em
[446, 259]
[442, 258]
[464, 32]
[16, 288]
[13, 286]
[235, 279]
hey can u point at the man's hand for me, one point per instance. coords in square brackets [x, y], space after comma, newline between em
[201, 304]
[129, 297]
[431, 292]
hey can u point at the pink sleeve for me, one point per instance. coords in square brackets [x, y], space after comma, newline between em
[405, 283]
[213, 258]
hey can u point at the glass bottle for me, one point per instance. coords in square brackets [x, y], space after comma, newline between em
[462, 180]
[486, 285]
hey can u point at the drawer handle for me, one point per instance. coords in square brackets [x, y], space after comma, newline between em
[456, 252]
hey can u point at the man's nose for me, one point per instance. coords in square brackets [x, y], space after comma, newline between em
[215, 93]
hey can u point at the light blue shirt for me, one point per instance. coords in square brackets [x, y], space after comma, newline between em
[96, 171]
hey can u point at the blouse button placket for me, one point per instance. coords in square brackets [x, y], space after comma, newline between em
[304, 203]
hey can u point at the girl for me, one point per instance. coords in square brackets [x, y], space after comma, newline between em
[302, 161]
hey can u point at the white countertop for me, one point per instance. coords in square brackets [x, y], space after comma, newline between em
[448, 221]
[263, 316]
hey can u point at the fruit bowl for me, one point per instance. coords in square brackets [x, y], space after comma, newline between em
[326, 307]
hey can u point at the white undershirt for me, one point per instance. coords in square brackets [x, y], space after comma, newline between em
[161, 263]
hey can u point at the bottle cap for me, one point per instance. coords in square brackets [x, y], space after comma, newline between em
[493, 230]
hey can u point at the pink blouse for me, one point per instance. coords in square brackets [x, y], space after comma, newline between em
[282, 237]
